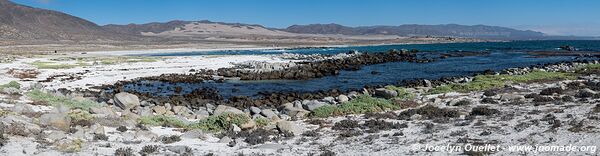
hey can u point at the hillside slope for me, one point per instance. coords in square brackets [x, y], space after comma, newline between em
[19, 22]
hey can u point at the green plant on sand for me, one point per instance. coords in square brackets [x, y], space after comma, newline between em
[38, 95]
[211, 124]
[220, 122]
[262, 121]
[360, 105]
[485, 82]
[161, 120]
[588, 69]
[403, 93]
[56, 65]
[11, 84]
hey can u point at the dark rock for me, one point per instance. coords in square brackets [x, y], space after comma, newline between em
[375, 126]
[345, 125]
[489, 101]
[490, 93]
[429, 112]
[585, 93]
[484, 111]
[551, 91]
[385, 93]
[542, 99]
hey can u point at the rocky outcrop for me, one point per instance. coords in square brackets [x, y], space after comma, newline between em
[126, 101]
[329, 67]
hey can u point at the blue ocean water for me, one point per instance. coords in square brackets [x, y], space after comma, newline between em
[502, 55]
[516, 46]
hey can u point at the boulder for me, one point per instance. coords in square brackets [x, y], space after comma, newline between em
[353, 94]
[314, 104]
[225, 139]
[97, 129]
[235, 128]
[269, 114]
[179, 150]
[22, 109]
[159, 110]
[56, 135]
[58, 121]
[427, 83]
[201, 114]
[511, 97]
[290, 127]
[285, 117]
[255, 110]
[146, 104]
[286, 105]
[256, 116]
[248, 125]
[181, 110]
[168, 106]
[297, 104]
[343, 98]
[129, 115]
[330, 100]
[298, 113]
[194, 134]
[226, 109]
[104, 111]
[126, 101]
[385, 93]
[144, 111]
[210, 108]
[145, 135]
[29, 129]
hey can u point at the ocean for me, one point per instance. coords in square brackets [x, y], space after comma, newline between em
[502, 55]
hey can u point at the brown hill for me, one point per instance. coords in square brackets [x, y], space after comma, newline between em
[19, 22]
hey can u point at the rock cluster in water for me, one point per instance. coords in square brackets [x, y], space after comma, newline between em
[316, 69]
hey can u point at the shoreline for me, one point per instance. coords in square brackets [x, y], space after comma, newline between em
[192, 50]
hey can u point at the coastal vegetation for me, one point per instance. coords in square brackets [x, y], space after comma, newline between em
[61, 63]
[215, 123]
[359, 105]
[161, 120]
[403, 93]
[485, 82]
[121, 60]
[57, 65]
[55, 100]
[11, 84]
[262, 121]
[588, 69]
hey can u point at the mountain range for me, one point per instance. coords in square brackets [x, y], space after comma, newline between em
[450, 30]
[19, 22]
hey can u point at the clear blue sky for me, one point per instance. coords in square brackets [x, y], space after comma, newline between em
[554, 16]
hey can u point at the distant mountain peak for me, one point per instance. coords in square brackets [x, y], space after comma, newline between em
[446, 30]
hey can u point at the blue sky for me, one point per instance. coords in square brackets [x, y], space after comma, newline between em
[560, 17]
